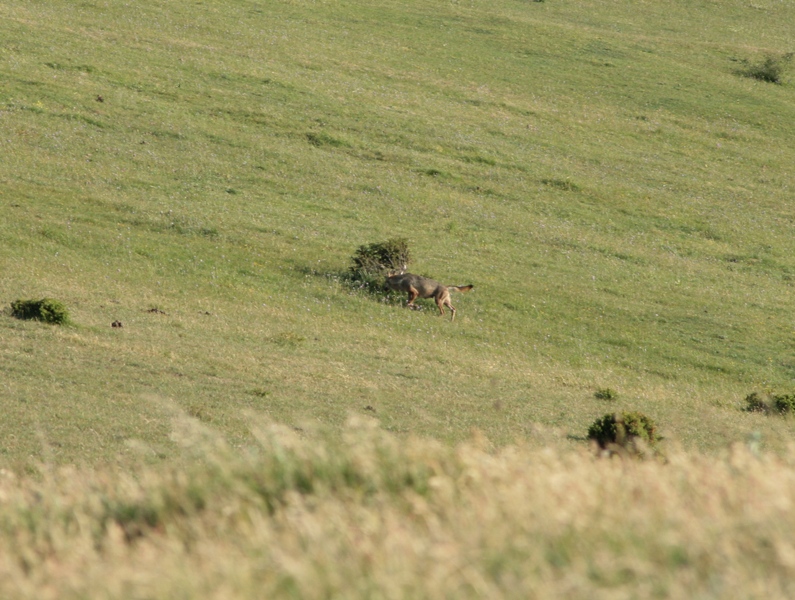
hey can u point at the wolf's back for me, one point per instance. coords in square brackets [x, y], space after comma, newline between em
[399, 283]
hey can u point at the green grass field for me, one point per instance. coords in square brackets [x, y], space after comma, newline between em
[604, 173]
[615, 190]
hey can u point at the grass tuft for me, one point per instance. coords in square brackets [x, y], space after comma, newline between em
[561, 184]
[606, 394]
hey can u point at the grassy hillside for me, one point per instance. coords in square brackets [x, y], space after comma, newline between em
[618, 193]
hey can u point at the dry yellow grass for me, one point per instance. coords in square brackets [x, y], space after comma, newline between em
[378, 517]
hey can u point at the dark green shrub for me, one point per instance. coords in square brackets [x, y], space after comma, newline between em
[785, 403]
[606, 394]
[756, 402]
[46, 309]
[770, 69]
[624, 430]
[767, 403]
[372, 262]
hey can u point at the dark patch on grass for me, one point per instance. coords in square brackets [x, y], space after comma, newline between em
[561, 184]
[660, 374]
[480, 31]
[606, 394]
[252, 116]
[62, 67]
[83, 119]
[517, 110]
[287, 339]
[322, 139]
[166, 135]
[713, 367]
[217, 139]
[210, 232]
[479, 159]
[175, 224]
[199, 413]
[618, 343]
[34, 109]
[602, 49]
[56, 235]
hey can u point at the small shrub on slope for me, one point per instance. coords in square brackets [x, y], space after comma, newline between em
[371, 262]
[770, 69]
[785, 403]
[628, 431]
[46, 309]
[767, 403]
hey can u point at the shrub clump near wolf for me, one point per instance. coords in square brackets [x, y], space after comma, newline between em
[382, 266]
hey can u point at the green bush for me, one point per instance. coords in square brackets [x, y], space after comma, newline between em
[770, 69]
[372, 262]
[767, 403]
[624, 430]
[46, 309]
[785, 403]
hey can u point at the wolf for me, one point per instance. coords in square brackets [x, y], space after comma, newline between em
[422, 287]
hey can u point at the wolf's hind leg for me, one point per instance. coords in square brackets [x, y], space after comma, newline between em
[440, 302]
[452, 309]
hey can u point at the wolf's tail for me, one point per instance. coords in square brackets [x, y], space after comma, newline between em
[460, 288]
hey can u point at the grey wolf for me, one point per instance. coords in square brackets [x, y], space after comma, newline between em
[422, 287]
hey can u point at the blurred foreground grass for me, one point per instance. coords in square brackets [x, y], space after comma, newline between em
[369, 515]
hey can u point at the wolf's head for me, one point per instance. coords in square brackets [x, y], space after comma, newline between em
[400, 271]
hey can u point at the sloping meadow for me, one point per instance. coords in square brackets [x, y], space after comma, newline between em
[374, 516]
[191, 179]
[613, 185]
